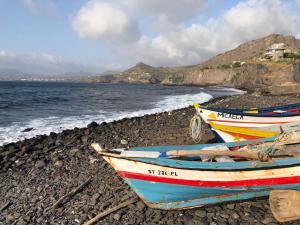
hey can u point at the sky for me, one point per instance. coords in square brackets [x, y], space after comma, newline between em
[61, 36]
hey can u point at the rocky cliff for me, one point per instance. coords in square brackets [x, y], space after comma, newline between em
[243, 67]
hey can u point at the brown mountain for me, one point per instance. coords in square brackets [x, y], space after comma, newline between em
[251, 49]
[242, 67]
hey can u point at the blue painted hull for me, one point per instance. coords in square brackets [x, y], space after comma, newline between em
[173, 196]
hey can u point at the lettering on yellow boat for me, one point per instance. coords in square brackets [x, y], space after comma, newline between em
[230, 116]
[212, 116]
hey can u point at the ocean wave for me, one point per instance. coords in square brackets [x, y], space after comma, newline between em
[41, 126]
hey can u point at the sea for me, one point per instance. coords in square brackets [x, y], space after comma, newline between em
[44, 107]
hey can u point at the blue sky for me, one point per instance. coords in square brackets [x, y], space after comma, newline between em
[55, 36]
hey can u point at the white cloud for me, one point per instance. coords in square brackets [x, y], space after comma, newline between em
[179, 42]
[197, 42]
[40, 63]
[105, 21]
[184, 46]
[173, 11]
[257, 18]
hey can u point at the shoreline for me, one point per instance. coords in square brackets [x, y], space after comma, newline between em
[36, 172]
[35, 123]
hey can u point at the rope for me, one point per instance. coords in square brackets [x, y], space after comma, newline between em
[196, 128]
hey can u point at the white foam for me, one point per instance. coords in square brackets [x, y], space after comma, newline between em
[57, 124]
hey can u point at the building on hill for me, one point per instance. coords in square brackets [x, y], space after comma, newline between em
[275, 51]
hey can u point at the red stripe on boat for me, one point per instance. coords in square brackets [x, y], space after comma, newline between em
[202, 183]
[233, 121]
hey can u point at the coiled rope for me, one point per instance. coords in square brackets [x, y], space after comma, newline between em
[196, 128]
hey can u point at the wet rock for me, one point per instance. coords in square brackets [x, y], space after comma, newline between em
[27, 129]
[92, 125]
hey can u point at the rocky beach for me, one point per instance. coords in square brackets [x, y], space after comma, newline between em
[37, 172]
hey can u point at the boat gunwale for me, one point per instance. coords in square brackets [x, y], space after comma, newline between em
[289, 114]
[209, 166]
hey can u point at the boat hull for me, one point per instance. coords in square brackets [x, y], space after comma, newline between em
[167, 187]
[230, 127]
[281, 109]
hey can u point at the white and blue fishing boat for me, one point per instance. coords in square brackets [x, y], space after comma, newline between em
[229, 126]
[289, 109]
[167, 182]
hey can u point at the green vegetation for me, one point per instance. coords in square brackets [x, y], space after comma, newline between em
[224, 66]
[236, 64]
[292, 55]
[175, 78]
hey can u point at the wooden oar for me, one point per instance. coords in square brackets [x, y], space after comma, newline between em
[218, 151]
[285, 205]
[238, 154]
[208, 151]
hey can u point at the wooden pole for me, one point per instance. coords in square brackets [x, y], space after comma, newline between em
[111, 210]
[244, 154]
[70, 194]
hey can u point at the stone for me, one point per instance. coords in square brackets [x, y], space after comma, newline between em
[40, 164]
[92, 159]
[200, 213]
[267, 220]
[27, 129]
[235, 215]
[117, 216]
[224, 216]
[140, 205]
[59, 163]
[95, 198]
[84, 140]
[21, 222]
[92, 125]
[124, 142]
[230, 206]
[74, 151]
[39, 220]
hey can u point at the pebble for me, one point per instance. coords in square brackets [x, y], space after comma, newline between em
[32, 190]
[235, 215]
[140, 205]
[124, 142]
[200, 213]
[267, 220]
[117, 216]
[59, 163]
[40, 164]
[230, 206]
[95, 198]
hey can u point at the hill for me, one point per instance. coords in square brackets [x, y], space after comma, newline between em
[251, 49]
[251, 65]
